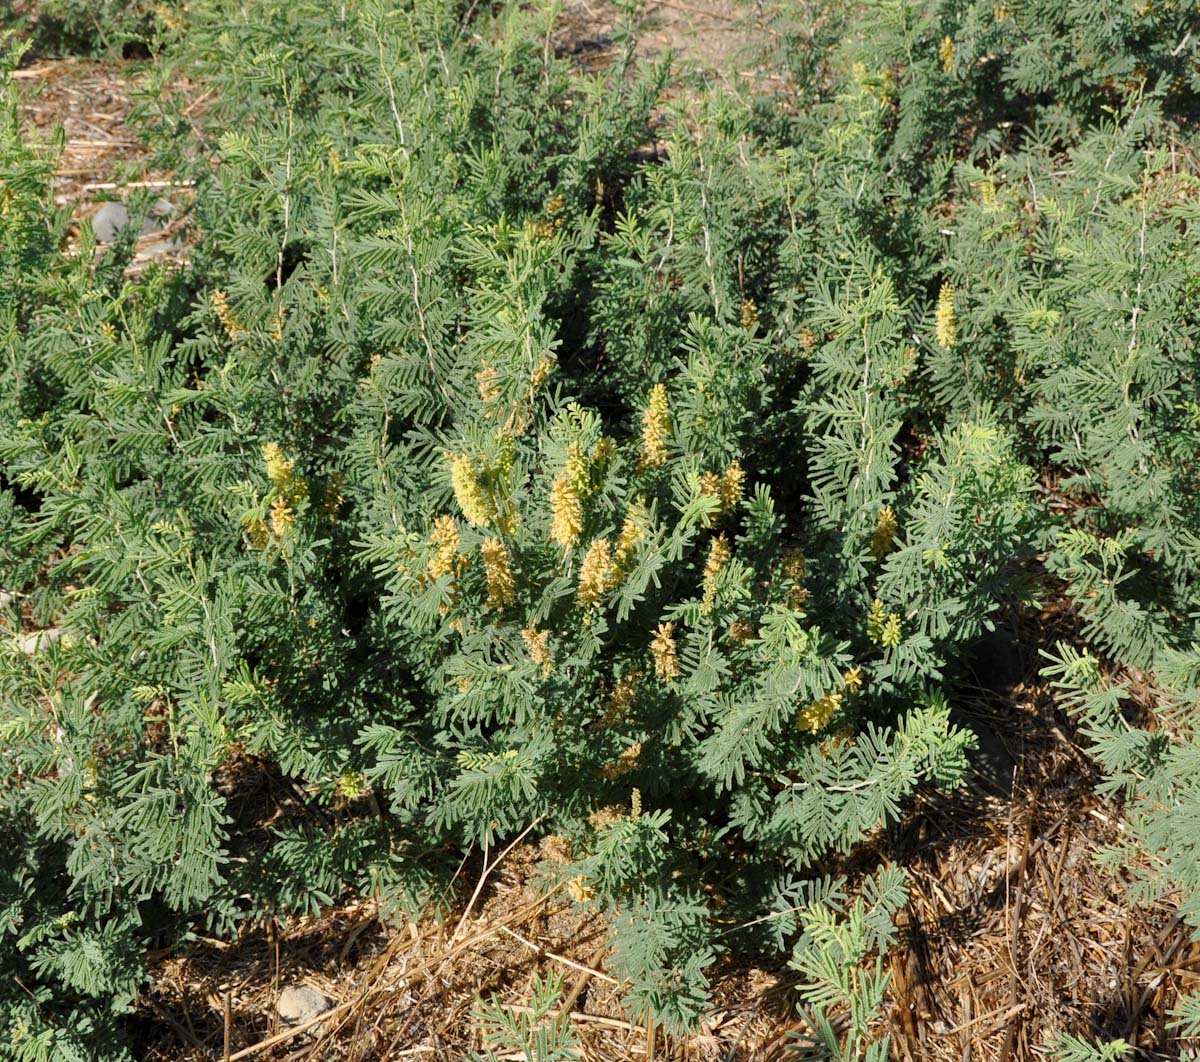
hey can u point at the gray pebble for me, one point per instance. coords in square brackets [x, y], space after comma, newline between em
[158, 216]
[300, 1004]
[108, 222]
[160, 247]
[112, 218]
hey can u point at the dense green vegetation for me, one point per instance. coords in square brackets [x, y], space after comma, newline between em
[484, 470]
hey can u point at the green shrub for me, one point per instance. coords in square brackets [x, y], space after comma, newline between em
[99, 28]
[481, 476]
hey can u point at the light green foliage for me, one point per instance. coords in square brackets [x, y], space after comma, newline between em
[482, 471]
[539, 1031]
[841, 955]
[1070, 1048]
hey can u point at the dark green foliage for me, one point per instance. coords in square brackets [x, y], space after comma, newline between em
[481, 473]
[102, 28]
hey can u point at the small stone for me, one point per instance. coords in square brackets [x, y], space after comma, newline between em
[301, 1004]
[31, 644]
[158, 215]
[108, 222]
[159, 248]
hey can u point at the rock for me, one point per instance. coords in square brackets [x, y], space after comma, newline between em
[108, 222]
[159, 248]
[36, 642]
[111, 219]
[301, 1004]
[158, 216]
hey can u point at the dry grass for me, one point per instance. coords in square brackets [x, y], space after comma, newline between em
[1012, 934]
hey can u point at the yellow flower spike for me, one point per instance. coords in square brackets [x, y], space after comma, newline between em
[489, 389]
[604, 451]
[566, 510]
[844, 735]
[749, 315]
[596, 574]
[621, 698]
[472, 499]
[793, 571]
[656, 428]
[497, 565]
[352, 784]
[945, 326]
[733, 484]
[538, 644]
[947, 51]
[334, 497]
[541, 373]
[445, 539]
[665, 652]
[793, 563]
[623, 764]
[257, 532]
[891, 634]
[234, 328]
[876, 617]
[579, 889]
[283, 516]
[885, 532]
[853, 679]
[577, 468]
[635, 804]
[508, 520]
[816, 716]
[710, 487]
[718, 556]
[741, 630]
[281, 470]
[633, 530]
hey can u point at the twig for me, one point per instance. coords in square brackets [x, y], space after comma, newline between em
[539, 950]
[582, 979]
[73, 143]
[575, 1015]
[228, 1025]
[1000, 1012]
[486, 872]
[165, 1015]
[1014, 932]
[108, 186]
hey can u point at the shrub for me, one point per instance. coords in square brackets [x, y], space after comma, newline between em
[483, 475]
